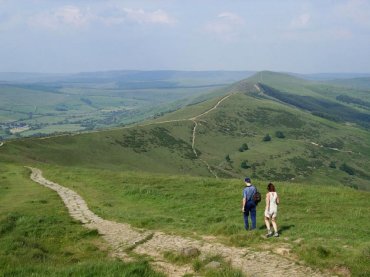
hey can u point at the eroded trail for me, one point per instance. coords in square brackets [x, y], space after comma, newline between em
[123, 238]
[194, 119]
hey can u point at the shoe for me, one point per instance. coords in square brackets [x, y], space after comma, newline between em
[276, 235]
[269, 234]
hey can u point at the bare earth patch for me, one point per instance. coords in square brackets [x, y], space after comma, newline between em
[123, 238]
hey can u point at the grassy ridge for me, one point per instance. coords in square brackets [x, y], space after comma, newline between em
[246, 119]
[39, 238]
[242, 118]
[162, 148]
[330, 223]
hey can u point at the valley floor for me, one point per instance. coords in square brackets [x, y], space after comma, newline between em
[125, 241]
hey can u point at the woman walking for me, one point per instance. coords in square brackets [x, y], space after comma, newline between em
[272, 201]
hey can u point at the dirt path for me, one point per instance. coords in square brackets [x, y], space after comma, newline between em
[333, 148]
[213, 108]
[123, 238]
[257, 87]
[194, 119]
[1, 144]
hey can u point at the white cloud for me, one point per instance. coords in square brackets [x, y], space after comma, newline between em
[137, 16]
[355, 10]
[227, 26]
[77, 18]
[231, 18]
[342, 33]
[9, 22]
[141, 16]
[71, 16]
[301, 21]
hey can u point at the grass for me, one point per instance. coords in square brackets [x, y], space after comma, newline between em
[119, 172]
[38, 237]
[332, 221]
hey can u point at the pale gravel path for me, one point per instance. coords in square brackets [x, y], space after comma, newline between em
[195, 131]
[122, 237]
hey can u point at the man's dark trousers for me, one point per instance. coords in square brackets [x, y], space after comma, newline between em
[250, 207]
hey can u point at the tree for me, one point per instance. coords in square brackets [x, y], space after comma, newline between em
[267, 138]
[245, 146]
[332, 164]
[279, 134]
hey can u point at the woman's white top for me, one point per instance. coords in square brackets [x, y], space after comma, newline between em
[272, 210]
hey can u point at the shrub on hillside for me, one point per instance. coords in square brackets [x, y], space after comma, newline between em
[267, 137]
[243, 147]
[227, 158]
[244, 164]
[279, 134]
[346, 168]
[332, 165]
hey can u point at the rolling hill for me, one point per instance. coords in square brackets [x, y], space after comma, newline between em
[36, 105]
[294, 130]
[160, 175]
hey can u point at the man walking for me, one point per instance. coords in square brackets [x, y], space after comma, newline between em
[249, 206]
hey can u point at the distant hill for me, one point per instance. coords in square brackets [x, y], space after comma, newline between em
[331, 76]
[125, 75]
[356, 83]
[35, 104]
[271, 126]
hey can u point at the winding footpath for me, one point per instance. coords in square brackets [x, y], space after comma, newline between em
[194, 119]
[124, 239]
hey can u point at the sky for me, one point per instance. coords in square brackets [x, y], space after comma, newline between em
[60, 36]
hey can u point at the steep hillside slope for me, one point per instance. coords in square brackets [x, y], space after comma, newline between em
[248, 131]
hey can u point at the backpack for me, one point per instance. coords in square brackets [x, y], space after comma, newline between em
[257, 197]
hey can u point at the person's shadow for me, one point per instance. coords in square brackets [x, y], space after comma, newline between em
[284, 228]
[281, 230]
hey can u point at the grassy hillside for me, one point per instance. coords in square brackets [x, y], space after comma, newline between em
[324, 226]
[285, 142]
[329, 100]
[149, 175]
[39, 238]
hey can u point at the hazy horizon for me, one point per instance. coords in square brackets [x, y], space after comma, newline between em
[306, 37]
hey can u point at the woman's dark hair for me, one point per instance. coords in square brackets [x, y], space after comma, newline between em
[270, 187]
